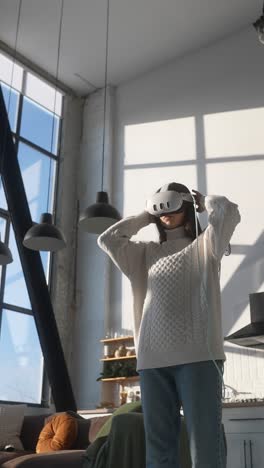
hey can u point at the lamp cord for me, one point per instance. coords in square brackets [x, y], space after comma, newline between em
[11, 84]
[105, 85]
[55, 97]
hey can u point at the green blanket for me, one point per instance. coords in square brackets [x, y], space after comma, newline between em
[96, 454]
[121, 442]
[127, 408]
[123, 447]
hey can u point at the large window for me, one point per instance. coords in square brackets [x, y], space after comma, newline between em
[34, 110]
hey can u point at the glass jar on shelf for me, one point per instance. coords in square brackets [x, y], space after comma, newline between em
[123, 396]
[107, 351]
[131, 396]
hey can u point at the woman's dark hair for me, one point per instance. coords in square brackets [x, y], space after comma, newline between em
[189, 221]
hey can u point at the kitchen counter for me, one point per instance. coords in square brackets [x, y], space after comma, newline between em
[237, 404]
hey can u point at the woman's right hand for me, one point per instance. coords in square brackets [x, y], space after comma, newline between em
[199, 199]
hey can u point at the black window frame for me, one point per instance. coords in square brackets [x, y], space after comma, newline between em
[46, 396]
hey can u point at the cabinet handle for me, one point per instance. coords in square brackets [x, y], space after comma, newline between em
[245, 455]
[246, 419]
[250, 451]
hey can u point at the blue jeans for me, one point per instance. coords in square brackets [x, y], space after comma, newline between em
[197, 387]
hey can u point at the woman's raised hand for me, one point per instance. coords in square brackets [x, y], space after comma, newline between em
[199, 199]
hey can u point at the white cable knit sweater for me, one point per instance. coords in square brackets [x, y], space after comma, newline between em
[168, 282]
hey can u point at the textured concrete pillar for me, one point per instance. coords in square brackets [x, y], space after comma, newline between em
[64, 266]
[92, 264]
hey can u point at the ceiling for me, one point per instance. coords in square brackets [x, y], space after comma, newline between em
[143, 34]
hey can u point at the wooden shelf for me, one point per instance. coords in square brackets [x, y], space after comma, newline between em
[118, 358]
[121, 379]
[117, 340]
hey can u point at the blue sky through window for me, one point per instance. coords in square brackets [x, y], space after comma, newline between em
[2, 233]
[21, 361]
[3, 203]
[38, 173]
[15, 292]
[37, 126]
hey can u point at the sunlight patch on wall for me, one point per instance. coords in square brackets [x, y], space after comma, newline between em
[140, 184]
[229, 265]
[242, 272]
[242, 183]
[261, 287]
[164, 141]
[236, 133]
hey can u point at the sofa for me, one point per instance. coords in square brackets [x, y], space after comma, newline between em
[29, 435]
[121, 443]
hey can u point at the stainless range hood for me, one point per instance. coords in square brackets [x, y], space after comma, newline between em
[252, 335]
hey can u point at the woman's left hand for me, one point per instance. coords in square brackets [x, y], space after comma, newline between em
[199, 198]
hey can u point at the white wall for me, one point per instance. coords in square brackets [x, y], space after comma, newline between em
[197, 121]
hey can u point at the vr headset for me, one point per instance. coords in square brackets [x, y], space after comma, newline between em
[167, 201]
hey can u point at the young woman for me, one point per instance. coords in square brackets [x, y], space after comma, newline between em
[177, 321]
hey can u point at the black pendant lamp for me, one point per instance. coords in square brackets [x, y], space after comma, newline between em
[5, 254]
[259, 26]
[45, 235]
[101, 215]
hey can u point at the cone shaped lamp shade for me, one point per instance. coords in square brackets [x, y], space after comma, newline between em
[44, 236]
[99, 216]
[5, 254]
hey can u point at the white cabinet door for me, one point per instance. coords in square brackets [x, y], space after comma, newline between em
[236, 451]
[256, 450]
[245, 450]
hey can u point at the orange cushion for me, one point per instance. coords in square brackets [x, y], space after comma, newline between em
[59, 433]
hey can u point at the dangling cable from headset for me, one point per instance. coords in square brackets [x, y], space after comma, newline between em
[204, 301]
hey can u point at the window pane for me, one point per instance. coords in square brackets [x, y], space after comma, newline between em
[43, 93]
[11, 103]
[15, 287]
[37, 126]
[11, 72]
[37, 170]
[2, 228]
[45, 258]
[3, 234]
[21, 360]
[15, 292]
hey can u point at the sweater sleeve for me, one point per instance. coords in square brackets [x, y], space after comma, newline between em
[223, 216]
[115, 241]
